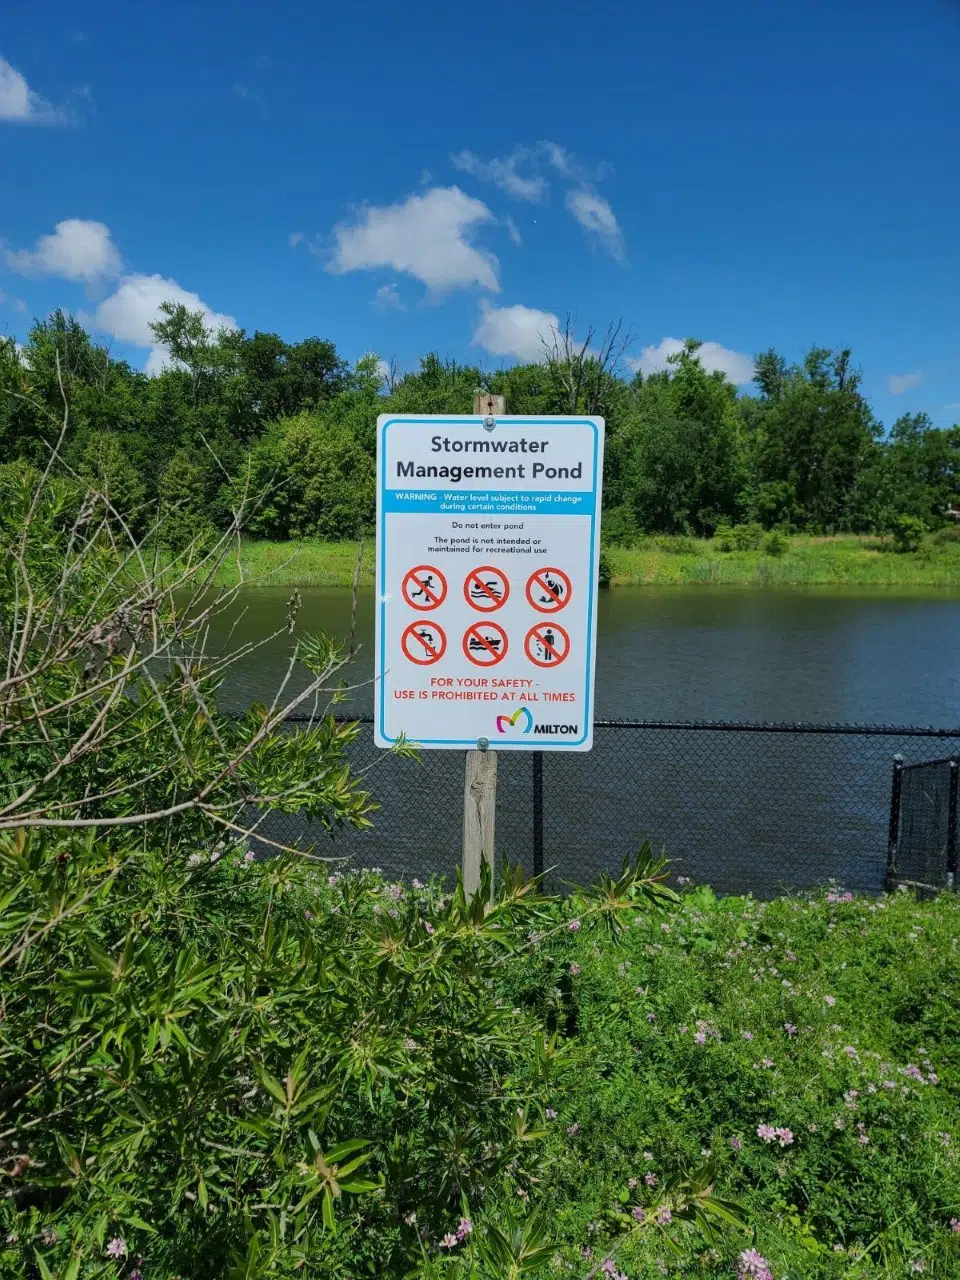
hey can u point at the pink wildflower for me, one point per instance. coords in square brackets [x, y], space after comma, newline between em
[573, 1130]
[428, 926]
[767, 1132]
[664, 1216]
[748, 1035]
[700, 1037]
[955, 1226]
[550, 1113]
[464, 1228]
[632, 1183]
[785, 1136]
[637, 1213]
[117, 1248]
[573, 926]
[651, 1179]
[830, 1001]
[790, 1029]
[574, 969]
[449, 1241]
[736, 1144]
[753, 1266]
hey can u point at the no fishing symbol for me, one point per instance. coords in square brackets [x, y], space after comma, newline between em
[486, 589]
[423, 643]
[549, 590]
[424, 587]
[546, 644]
[485, 644]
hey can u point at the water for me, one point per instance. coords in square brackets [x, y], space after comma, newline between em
[743, 811]
[700, 654]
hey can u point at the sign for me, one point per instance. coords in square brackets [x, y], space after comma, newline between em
[487, 559]
[424, 587]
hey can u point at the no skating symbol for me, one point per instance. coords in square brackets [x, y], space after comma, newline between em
[424, 587]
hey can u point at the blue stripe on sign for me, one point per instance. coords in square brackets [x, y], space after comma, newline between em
[468, 502]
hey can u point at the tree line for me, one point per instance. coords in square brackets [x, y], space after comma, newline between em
[294, 425]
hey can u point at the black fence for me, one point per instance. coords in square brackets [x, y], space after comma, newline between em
[923, 823]
[761, 808]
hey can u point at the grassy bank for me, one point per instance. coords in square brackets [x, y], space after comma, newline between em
[654, 561]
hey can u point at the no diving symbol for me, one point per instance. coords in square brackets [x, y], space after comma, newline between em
[486, 589]
[546, 644]
[549, 590]
[485, 644]
[424, 587]
[423, 643]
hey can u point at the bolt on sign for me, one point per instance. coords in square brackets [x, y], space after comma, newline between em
[488, 545]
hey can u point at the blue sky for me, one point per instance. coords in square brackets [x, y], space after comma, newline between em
[428, 176]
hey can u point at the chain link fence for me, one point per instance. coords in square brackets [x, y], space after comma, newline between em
[745, 808]
[923, 823]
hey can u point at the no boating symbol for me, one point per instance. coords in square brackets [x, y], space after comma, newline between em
[485, 643]
[486, 589]
[424, 587]
[549, 590]
[423, 643]
[546, 644]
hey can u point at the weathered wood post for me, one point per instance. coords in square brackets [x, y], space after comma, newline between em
[480, 780]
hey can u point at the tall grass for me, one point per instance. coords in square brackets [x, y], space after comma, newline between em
[654, 561]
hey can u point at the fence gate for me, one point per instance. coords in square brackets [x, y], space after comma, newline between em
[923, 824]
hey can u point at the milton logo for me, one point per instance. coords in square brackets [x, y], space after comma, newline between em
[521, 715]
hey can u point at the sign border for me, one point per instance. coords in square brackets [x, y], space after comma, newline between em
[384, 422]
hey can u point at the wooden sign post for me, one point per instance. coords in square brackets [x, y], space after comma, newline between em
[480, 781]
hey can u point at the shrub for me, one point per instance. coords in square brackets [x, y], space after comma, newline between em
[723, 538]
[620, 526]
[605, 568]
[776, 544]
[748, 537]
[908, 533]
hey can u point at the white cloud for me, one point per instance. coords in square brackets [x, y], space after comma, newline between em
[503, 173]
[513, 231]
[76, 250]
[737, 366]
[901, 382]
[558, 158]
[388, 299]
[129, 312]
[954, 405]
[426, 236]
[18, 102]
[597, 218]
[516, 331]
[294, 238]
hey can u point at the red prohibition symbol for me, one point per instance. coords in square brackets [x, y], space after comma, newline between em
[549, 590]
[486, 589]
[424, 587]
[423, 643]
[485, 643]
[546, 644]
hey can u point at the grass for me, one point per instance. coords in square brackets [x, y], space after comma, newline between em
[654, 561]
[836, 561]
[830, 1019]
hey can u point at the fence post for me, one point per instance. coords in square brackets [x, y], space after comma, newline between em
[953, 819]
[538, 813]
[893, 837]
[480, 775]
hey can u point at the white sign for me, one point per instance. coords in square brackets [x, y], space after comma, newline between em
[488, 544]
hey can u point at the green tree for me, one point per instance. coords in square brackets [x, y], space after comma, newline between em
[812, 432]
[318, 481]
